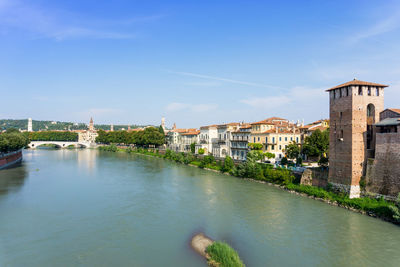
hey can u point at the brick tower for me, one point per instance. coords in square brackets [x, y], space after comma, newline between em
[354, 108]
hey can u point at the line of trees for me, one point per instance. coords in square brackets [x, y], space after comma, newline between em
[52, 136]
[12, 140]
[147, 137]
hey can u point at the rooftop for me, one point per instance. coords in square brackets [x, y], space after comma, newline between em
[357, 82]
[388, 122]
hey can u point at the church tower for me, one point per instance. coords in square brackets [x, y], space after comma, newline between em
[91, 125]
[354, 109]
[163, 123]
[30, 125]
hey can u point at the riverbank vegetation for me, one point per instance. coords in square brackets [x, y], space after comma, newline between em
[52, 136]
[283, 177]
[12, 140]
[222, 255]
[150, 136]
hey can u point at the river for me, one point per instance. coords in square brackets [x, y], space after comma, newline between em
[94, 208]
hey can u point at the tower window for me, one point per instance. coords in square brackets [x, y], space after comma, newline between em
[377, 91]
[340, 115]
[340, 93]
[360, 91]
[369, 90]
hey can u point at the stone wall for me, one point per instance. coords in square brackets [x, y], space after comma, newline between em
[10, 159]
[383, 172]
[315, 177]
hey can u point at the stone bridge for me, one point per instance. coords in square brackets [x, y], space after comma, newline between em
[60, 144]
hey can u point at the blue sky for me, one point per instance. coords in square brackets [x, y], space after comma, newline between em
[193, 62]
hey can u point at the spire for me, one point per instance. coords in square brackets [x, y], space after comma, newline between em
[91, 125]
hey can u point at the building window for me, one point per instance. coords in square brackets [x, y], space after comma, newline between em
[347, 91]
[285, 138]
[266, 139]
[377, 91]
[340, 93]
[273, 140]
[254, 139]
[360, 91]
[280, 138]
[369, 90]
[297, 139]
[258, 139]
[340, 115]
[273, 147]
[280, 147]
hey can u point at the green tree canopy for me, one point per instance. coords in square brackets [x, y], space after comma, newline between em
[317, 144]
[293, 150]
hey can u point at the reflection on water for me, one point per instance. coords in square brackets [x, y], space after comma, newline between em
[95, 208]
[12, 179]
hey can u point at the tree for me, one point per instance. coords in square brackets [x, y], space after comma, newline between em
[12, 130]
[269, 155]
[12, 141]
[161, 130]
[193, 147]
[255, 146]
[284, 161]
[317, 144]
[228, 164]
[293, 150]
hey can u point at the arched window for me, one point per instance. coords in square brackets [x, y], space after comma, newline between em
[370, 110]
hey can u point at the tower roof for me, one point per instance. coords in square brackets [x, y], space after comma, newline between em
[357, 82]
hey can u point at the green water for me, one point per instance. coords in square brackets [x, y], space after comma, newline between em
[90, 208]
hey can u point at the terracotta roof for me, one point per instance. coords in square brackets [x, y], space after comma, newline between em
[321, 128]
[208, 126]
[192, 133]
[357, 82]
[229, 124]
[397, 110]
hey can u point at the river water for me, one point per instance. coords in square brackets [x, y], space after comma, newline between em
[93, 208]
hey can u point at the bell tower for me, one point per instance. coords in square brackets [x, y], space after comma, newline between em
[354, 108]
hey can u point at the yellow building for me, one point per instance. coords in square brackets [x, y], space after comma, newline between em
[275, 134]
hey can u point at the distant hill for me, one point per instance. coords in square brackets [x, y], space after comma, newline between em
[57, 125]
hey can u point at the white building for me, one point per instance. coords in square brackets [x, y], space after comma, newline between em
[208, 135]
[221, 147]
[239, 142]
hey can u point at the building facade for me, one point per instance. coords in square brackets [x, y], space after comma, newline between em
[239, 142]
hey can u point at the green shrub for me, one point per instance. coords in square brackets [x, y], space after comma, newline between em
[228, 164]
[221, 254]
[110, 148]
[201, 151]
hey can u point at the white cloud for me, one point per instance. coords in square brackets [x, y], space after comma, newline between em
[387, 24]
[175, 106]
[208, 77]
[297, 103]
[267, 102]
